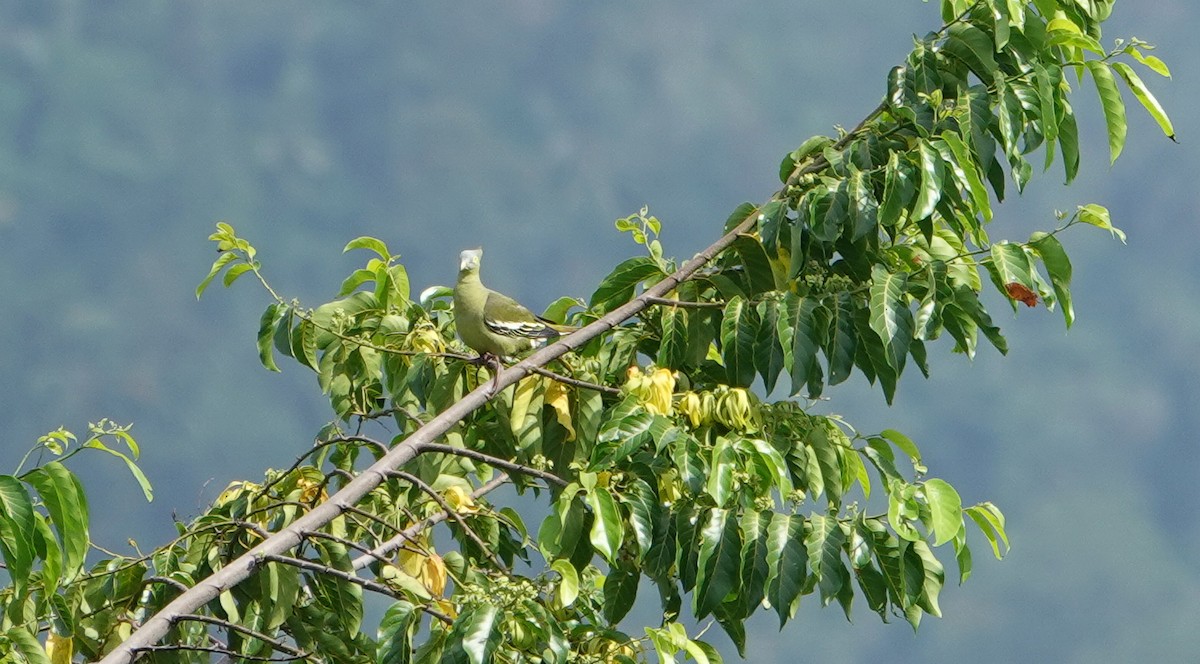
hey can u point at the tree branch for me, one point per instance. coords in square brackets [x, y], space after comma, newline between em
[490, 460]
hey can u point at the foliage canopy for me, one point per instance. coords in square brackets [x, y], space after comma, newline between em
[673, 439]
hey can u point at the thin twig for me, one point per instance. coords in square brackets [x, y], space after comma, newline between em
[246, 631]
[668, 302]
[409, 533]
[575, 381]
[510, 466]
[429, 491]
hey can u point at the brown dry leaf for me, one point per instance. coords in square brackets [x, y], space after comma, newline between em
[1021, 293]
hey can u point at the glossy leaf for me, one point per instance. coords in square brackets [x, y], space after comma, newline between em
[607, 531]
[946, 509]
[824, 545]
[1114, 107]
[843, 340]
[891, 318]
[899, 191]
[738, 332]
[1058, 267]
[478, 633]
[618, 287]
[620, 591]
[266, 334]
[394, 641]
[65, 500]
[1147, 98]
[568, 583]
[800, 334]
[719, 562]
[755, 571]
[16, 528]
[933, 176]
[786, 560]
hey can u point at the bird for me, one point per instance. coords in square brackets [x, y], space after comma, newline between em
[492, 324]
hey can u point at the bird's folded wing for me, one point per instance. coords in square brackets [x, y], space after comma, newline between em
[504, 315]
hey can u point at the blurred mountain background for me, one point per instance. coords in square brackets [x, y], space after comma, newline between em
[127, 129]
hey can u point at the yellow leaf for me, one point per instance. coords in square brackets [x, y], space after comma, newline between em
[662, 386]
[433, 574]
[459, 500]
[556, 398]
[60, 648]
[526, 390]
[410, 561]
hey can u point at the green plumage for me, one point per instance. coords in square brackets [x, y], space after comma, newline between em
[491, 323]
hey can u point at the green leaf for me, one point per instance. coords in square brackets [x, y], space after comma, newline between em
[266, 334]
[946, 510]
[824, 544]
[27, 646]
[477, 628]
[1152, 63]
[974, 183]
[617, 288]
[719, 562]
[1097, 215]
[902, 443]
[138, 475]
[224, 259]
[934, 576]
[620, 591]
[991, 522]
[974, 48]
[606, 532]
[1058, 266]
[17, 528]
[394, 640]
[740, 214]
[755, 570]
[755, 263]
[800, 334]
[769, 356]
[739, 328]
[643, 508]
[568, 584]
[891, 318]
[1147, 98]
[1114, 107]
[720, 480]
[933, 174]
[342, 599]
[780, 477]
[66, 503]
[1011, 265]
[786, 561]
[236, 271]
[673, 349]
[864, 209]
[1068, 140]
[898, 191]
[369, 243]
[843, 340]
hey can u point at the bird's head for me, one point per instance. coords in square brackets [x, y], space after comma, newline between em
[469, 260]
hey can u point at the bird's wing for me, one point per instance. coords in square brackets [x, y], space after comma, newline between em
[505, 316]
